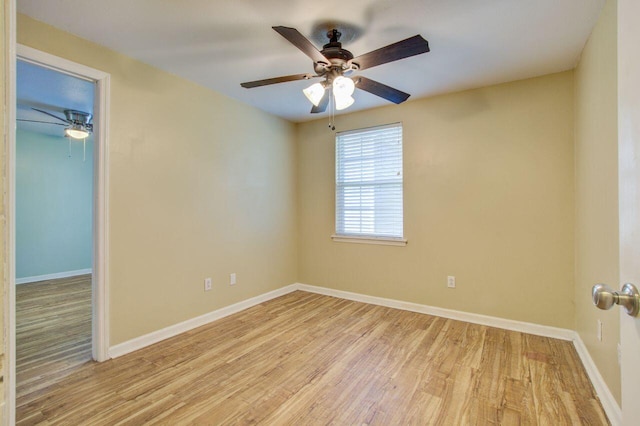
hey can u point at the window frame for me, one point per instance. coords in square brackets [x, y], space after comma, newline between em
[368, 238]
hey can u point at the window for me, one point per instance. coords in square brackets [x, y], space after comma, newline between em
[369, 184]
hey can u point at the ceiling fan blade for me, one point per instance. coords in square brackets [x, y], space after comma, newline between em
[403, 49]
[389, 93]
[301, 42]
[275, 80]
[51, 115]
[38, 121]
[322, 105]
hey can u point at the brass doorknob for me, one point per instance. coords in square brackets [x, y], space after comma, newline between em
[604, 297]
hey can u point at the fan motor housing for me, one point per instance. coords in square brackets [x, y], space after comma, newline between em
[337, 53]
[334, 52]
[340, 58]
[77, 117]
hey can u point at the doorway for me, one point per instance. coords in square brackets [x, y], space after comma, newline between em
[96, 155]
[54, 225]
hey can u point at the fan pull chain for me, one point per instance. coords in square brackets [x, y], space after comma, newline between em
[69, 147]
[332, 111]
[84, 150]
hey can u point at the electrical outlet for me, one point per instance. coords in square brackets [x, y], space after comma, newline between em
[207, 284]
[599, 331]
[232, 278]
[451, 281]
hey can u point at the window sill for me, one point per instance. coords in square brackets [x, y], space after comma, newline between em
[385, 241]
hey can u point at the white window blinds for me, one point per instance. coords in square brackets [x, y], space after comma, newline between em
[369, 182]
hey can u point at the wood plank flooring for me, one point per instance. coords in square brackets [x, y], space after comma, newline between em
[309, 359]
[53, 331]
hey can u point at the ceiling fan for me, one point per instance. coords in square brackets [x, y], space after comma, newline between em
[335, 64]
[77, 123]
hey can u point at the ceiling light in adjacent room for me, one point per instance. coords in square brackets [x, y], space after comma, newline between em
[76, 131]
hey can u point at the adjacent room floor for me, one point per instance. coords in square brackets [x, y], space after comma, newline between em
[53, 332]
[309, 359]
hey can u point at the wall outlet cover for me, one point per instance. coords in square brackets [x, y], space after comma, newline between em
[451, 281]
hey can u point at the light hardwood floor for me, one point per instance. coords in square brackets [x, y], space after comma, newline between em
[53, 331]
[310, 359]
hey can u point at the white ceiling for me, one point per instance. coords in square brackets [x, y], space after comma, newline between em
[220, 44]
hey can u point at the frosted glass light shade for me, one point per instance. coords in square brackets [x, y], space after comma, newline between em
[76, 132]
[343, 102]
[314, 93]
[343, 86]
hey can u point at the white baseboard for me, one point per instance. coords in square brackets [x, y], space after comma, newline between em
[609, 403]
[54, 276]
[173, 330]
[524, 327]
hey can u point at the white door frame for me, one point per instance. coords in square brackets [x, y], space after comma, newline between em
[100, 287]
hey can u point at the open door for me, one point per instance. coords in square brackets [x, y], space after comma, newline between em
[629, 196]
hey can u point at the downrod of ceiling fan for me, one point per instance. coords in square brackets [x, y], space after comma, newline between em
[333, 36]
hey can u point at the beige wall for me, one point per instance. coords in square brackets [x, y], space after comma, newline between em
[201, 186]
[488, 199]
[596, 139]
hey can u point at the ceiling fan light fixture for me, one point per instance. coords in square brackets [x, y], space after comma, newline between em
[314, 93]
[334, 62]
[343, 102]
[76, 131]
[343, 86]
